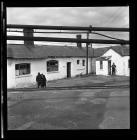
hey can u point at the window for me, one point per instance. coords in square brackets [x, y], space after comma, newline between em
[22, 69]
[52, 65]
[128, 63]
[83, 62]
[101, 64]
[77, 61]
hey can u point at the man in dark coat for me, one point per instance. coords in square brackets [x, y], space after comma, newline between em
[38, 79]
[43, 80]
[113, 69]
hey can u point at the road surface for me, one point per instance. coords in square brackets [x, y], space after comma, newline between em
[69, 109]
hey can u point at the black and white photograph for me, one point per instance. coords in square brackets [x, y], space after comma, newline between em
[68, 68]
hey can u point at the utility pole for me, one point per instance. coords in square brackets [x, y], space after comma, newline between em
[87, 54]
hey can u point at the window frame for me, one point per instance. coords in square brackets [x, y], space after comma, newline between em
[78, 62]
[22, 69]
[83, 62]
[52, 66]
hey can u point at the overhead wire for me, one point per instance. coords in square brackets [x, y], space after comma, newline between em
[74, 33]
[106, 36]
[114, 16]
[47, 32]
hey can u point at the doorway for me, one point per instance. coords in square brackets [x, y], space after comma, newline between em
[68, 69]
[109, 67]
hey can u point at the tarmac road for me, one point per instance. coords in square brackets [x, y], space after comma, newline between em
[69, 109]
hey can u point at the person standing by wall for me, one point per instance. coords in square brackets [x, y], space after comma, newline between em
[38, 79]
[113, 69]
[43, 81]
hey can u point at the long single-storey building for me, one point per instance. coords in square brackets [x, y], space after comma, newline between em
[55, 62]
[24, 61]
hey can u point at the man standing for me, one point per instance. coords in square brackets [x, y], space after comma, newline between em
[43, 78]
[44, 81]
[38, 79]
[113, 69]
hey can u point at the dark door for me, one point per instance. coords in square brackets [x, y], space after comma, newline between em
[109, 67]
[68, 69]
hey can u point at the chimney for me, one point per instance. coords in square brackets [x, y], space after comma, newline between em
[79, 45]
[28, 33]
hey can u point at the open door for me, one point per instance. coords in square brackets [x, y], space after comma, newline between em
[68, 69]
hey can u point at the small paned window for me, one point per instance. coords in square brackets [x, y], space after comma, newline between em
[52, 65]
[78, 61]
[83, 62]
[22, 69]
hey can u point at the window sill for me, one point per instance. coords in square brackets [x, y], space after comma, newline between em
[25, 75]
[52, 72]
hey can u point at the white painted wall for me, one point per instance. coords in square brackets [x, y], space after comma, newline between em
[103, 71]
[40, 65]
[10, 73]
[120, 62]
[93, 65]
[117, 59]
[14, 81]
[126, 69]
[62, 73]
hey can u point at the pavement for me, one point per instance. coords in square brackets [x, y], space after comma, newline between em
[82, 81]
[71, 109]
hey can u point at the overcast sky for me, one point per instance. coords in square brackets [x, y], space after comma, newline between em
[72, 16]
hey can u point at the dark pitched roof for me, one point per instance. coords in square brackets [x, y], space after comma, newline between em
[103, 58]
[47, 51]
[44, 51]
[122, 50]
[99, 51]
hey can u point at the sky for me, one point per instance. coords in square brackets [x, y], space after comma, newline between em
[71, 16]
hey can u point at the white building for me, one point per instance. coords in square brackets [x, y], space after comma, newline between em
[55, 62]
[24, 61]
[115, 54]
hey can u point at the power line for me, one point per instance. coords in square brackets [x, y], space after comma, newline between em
[115, 15]
[48, 32]
[54, 39]
[70, 33]
[107, 36]
[108, 20]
